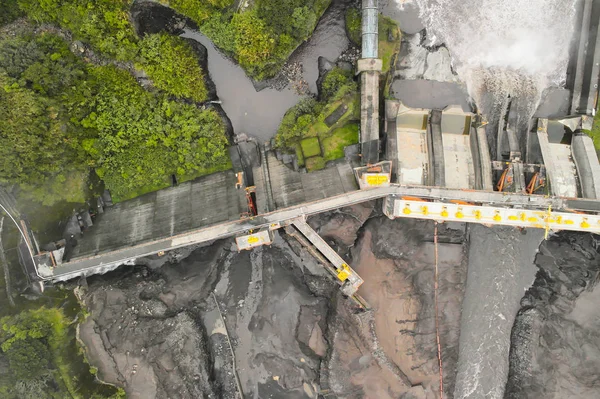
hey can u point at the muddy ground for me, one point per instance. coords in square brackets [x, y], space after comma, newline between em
[160, 333]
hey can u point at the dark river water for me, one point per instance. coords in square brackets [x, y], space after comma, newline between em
[259, 113]
[255, 113]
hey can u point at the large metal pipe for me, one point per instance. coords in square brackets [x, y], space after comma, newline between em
[370, 29]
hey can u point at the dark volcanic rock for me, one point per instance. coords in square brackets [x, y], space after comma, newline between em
[555, 349]
[166, 333]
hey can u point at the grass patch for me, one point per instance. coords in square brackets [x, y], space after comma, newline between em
[388, 28]
[310, 147]
[354, 25]
[595, 133]
[333, 146]
[303, 127]
[315, 163]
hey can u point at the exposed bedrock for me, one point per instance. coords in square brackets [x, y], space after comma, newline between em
[555, 349]
[164, 332]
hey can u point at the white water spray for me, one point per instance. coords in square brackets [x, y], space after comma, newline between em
[504, 47]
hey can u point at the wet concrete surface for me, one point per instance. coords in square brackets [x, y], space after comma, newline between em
[430, 94]
[555, 103]
[405, 12]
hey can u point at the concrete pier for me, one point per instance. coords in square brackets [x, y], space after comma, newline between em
[585, 65]
[588, 167]
[559, 165]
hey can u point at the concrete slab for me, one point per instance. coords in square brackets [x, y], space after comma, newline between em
[413, 159]
[292, 188]
[208, 200]
[458, 161]
[369, 107]
[559, 166]
[588, 167]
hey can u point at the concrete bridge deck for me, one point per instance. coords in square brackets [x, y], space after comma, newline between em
[110, 258]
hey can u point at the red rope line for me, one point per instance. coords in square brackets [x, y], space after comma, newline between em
[437, 322]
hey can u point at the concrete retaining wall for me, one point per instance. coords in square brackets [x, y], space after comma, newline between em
[586, 162]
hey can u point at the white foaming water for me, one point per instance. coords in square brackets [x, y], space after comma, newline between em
[504, 47]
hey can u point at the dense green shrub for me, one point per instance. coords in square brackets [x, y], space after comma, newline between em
[354, 25]
[35, 143]
[296, 122]
[61, 116]
[299, 120]
[334, 81]
[260, 38]
[143, 138]
[173, 66]
[35, 344]
[9, 11]
[199, 10]
[103, 23]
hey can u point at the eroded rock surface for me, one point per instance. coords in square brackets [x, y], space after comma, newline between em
[175, 331]
[555, 349]
[166, 333]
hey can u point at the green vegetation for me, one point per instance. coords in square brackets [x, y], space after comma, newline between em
[9, 11]
[169, 61]
[315, 163]
[61, 117]
[304, 126]
[144, 138]
[102, 23]
[173, 66]
[36, 345]
[310, 147]
[354, 25]
[260, 38]
[595, 132]
[341, 138]
[388, 29]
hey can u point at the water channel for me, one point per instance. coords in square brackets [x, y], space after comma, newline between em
[259, 113]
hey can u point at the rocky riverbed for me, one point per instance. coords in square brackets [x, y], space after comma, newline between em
[275, 317]
[555, 350]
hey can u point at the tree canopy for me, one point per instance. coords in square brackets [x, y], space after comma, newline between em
[61, 116]
[260, 38]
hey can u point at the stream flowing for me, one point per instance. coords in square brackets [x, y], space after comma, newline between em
[503, 48]
[256, 113]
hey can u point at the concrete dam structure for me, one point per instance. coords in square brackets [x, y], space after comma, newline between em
[436, 165]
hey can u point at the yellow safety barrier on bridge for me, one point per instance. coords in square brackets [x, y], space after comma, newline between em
[547, 220]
